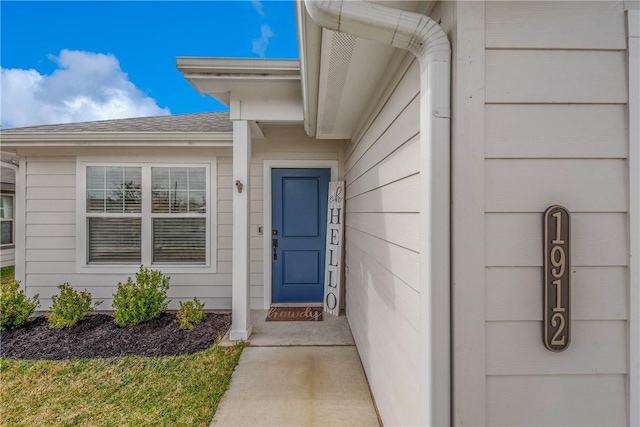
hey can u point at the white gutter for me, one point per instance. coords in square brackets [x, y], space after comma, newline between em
[309, 42]
[429, 43]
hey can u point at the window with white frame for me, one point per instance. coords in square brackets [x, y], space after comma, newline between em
[6, 220]
[151, 214]
[179, 213]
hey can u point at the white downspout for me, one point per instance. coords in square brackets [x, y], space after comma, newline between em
[430, 44]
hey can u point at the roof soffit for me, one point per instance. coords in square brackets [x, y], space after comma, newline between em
[348, 74]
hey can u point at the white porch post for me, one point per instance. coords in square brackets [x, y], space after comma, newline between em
[240, 323]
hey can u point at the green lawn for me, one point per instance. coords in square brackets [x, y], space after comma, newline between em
[125, 391]
[6, 274]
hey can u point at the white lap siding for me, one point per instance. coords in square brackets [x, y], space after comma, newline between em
[382, 246]
[50, 242]
[555, 133]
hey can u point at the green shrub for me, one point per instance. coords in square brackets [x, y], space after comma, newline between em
[15, 307]
[190, 314]
[69, 307]
[142, 300]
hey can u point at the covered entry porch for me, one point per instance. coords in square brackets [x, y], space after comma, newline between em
[272, 161]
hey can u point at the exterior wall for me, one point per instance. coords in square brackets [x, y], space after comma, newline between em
[382, 244]
[50, 238]
[553, 129]
[50, 241]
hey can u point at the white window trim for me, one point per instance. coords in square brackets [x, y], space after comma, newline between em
[13, 222]
[146, 162]
[266, 213]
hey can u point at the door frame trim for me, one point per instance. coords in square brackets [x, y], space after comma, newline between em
[266, 210]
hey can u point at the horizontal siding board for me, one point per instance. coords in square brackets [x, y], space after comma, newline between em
[399, 196]
[42, 267]
[51, 168]
[402, 130]
[406, 90]
[51, 181]
[400, 229]
[51, 193]
[256, 292]
[402, 298]
[545, 76]
[50, 230]
[225, 230]
[556, 400]
[51, 205]
[224, 267]
[51, 218]
[256, 255]
[51, 255]
[533, 185]
[403, 162]
[387, 345]
[225, 206]
[50, 242]
[516, 348]
[555, 25]
[515, 293]
[224, 242]
[555, 131]
[515, 240]
[225, 218]
[224, 254]
[256, 279]
[400, 261]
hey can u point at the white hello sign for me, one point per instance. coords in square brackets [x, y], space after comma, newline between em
[335, 237]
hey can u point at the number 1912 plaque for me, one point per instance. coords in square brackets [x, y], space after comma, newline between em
[557, 278]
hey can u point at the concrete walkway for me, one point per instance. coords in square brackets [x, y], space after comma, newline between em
[298, 374]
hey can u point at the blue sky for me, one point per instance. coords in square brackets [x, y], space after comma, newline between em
[77, 61]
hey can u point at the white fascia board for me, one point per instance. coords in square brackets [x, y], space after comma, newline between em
[309, 48]
[227, 66]
[117, 139]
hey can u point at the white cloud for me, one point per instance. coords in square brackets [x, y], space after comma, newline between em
[257, 5]
[259, 45]
[86, 86]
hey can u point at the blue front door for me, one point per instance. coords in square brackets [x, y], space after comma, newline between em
[299, 222]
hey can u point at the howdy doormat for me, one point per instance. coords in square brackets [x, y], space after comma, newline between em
[294, 314]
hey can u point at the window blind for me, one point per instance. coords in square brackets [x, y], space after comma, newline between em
[114, 240]
[179, 240]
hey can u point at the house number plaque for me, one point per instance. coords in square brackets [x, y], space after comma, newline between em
[557, 278]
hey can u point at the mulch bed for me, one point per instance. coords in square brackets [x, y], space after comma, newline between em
[98, 336]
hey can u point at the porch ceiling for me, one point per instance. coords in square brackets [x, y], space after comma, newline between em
[341, 73]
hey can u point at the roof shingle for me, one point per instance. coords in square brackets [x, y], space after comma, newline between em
[198, 122]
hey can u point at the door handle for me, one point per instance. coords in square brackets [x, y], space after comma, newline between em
[274, 244]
